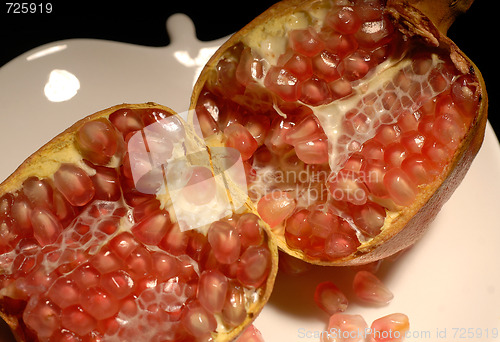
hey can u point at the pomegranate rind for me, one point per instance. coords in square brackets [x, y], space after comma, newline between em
[62, 149]
[403, 227]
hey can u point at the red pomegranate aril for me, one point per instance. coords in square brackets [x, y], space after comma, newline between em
[435, 152]
[370, 289]
[249, 68]
[276, 140]
[197, 320]
[300, 66]
[345, 328]
[234, 311]
[394, 155]
[307, 130]
[419, 169]
[64, 292]
[85, 276]
[305, 42]
[313, 152]
[349, 187]
[105, 261]
[98, 141]
[106, 184]
[258, 126]
[165, 266]
[99, 303]
[372, 150]
[375, 33]
[119, 283]
[21, 214]
[175, 241]
[126, 120]
[225, 242]
[340, 88]
[464, 94]
[123, 244]
[325, 66]
[413, 141]
[46, 227]
[340, 44]
[340, 245]
[42, 316]
[212, 290]
[226, 77]
[275, 207]
[74, 184]
[344, 20]
[369, 218]
[315, 92]
[254, 266]
[75, 319]
[390, 328]
[399, 186]
[355, 66]
[329, 298]
[408, 121]
[239, 137]
[251, 233]
[387, 134]
[38, 192]
[283, 83]
[139, 262]
[298, 229]
[153, 228]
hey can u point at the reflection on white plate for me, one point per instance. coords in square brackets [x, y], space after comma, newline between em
[448, 283]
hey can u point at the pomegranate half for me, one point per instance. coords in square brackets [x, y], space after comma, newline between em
[89, 251]
[356, 120]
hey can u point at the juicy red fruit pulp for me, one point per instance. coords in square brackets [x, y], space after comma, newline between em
[85, 256]
[350, 122]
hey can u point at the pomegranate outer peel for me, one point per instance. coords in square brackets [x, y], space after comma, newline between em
[61, 149]
[403, 227]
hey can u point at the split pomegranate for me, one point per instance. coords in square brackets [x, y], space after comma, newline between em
[356, 121]
[90, 252]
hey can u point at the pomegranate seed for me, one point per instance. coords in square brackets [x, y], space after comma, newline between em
[373, 34]
[391, 328]
[85, 276]
[123, 244]
[106, 184]
[315, 92]
[277, 137]
[249, 68]
[105, 261]
[435, 152]
[234, 311]
[99, 303]
[313, 152]
[305, 42]
[251, 233]
[38, 192]
[46, 227]
[258, 126]
[126, 120]
[175, 241]
[283, 83]
[250, 334]
[98, 141]
[212, 290]
[153, 228]
[21, 214]
[139, 263]
[329, 298]
[325, 66]
[354, 66]
[239, 137]
[275, 207]
[419, 169]
[340, 245]
[400, 187]
[74, 184]
[464, 94]
[344, 20]
[370, 289]
[348, 186]
[394, 155]
[64, 293]
[42, 316]
[300, 66]
[340, 44]
[254, 266]
[77, 320]
[226, 77]
[345, 328]
[165, 266]
[369, 218]
[197, 320]
[297, 229]
[307, 130]
[119, 283]
[225, 242]
[340, 88]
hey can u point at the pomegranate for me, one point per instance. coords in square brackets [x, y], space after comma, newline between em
[356, 121]
[90, 252]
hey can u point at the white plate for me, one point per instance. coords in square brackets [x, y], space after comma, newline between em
[448, 283]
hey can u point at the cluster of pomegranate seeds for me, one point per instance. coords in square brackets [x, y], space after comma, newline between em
[347, 124]
[85, 256]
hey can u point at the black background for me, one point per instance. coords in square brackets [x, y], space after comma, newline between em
[143, 23]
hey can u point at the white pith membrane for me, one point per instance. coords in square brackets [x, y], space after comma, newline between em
[120, 268]
[410, 79]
